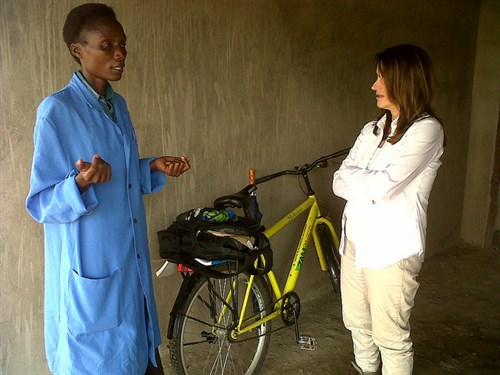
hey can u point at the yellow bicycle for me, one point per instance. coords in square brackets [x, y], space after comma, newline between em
[223, 325]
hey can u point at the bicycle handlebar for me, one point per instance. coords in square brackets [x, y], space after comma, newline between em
[241, 198]
[321, 162]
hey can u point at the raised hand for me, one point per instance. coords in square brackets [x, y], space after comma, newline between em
[92, 173]
[171, 165]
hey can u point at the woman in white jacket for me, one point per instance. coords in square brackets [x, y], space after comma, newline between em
[386, 180]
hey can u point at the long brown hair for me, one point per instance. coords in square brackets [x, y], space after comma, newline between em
[408, 76]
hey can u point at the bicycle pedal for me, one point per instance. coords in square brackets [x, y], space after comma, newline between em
[307, 343]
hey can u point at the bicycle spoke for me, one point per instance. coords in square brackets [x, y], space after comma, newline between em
[205, 344]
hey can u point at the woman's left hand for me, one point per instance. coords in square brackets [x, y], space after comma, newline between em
[171, 165]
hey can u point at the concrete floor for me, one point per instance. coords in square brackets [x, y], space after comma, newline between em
[455, 323]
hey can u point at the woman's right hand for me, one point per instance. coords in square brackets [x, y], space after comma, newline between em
[92, 173]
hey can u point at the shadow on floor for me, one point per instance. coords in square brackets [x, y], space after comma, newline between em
[455, 323]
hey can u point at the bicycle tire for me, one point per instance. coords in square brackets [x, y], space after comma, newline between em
[332, 256]
[201, 346]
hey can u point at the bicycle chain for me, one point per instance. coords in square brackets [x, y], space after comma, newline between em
[290, 301]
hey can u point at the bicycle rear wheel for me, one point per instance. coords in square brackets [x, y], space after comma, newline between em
[202, 342]
[332, 256]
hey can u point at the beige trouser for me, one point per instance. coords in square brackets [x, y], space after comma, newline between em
[376, 307]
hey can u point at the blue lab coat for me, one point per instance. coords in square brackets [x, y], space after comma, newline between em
[100, 310]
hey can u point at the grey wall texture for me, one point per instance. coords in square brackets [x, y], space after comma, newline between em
[480, 219]
[233, 84]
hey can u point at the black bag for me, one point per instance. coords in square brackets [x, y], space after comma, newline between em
[200, 245]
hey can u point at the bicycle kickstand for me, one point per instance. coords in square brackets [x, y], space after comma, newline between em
[305, 342]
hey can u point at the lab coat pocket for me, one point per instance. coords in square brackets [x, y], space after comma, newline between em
[94, 304]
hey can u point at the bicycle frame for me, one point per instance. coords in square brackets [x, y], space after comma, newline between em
[239, 308]
[313, 219]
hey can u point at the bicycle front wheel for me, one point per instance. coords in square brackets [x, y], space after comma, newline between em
[332, 256]
[203, 339]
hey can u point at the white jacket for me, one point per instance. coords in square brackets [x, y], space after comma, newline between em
[387, 192]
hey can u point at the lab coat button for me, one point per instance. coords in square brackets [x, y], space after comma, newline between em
[373, 202]
[135, 221]
[138, 256]
[130, 186]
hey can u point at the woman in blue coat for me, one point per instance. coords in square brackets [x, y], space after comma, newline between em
[87, 183]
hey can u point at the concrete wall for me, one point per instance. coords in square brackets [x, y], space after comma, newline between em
[233, 84]
[478, 225]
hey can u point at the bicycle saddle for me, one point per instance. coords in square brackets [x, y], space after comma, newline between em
[238, 200]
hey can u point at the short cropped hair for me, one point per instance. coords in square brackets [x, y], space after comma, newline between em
[82, 18]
